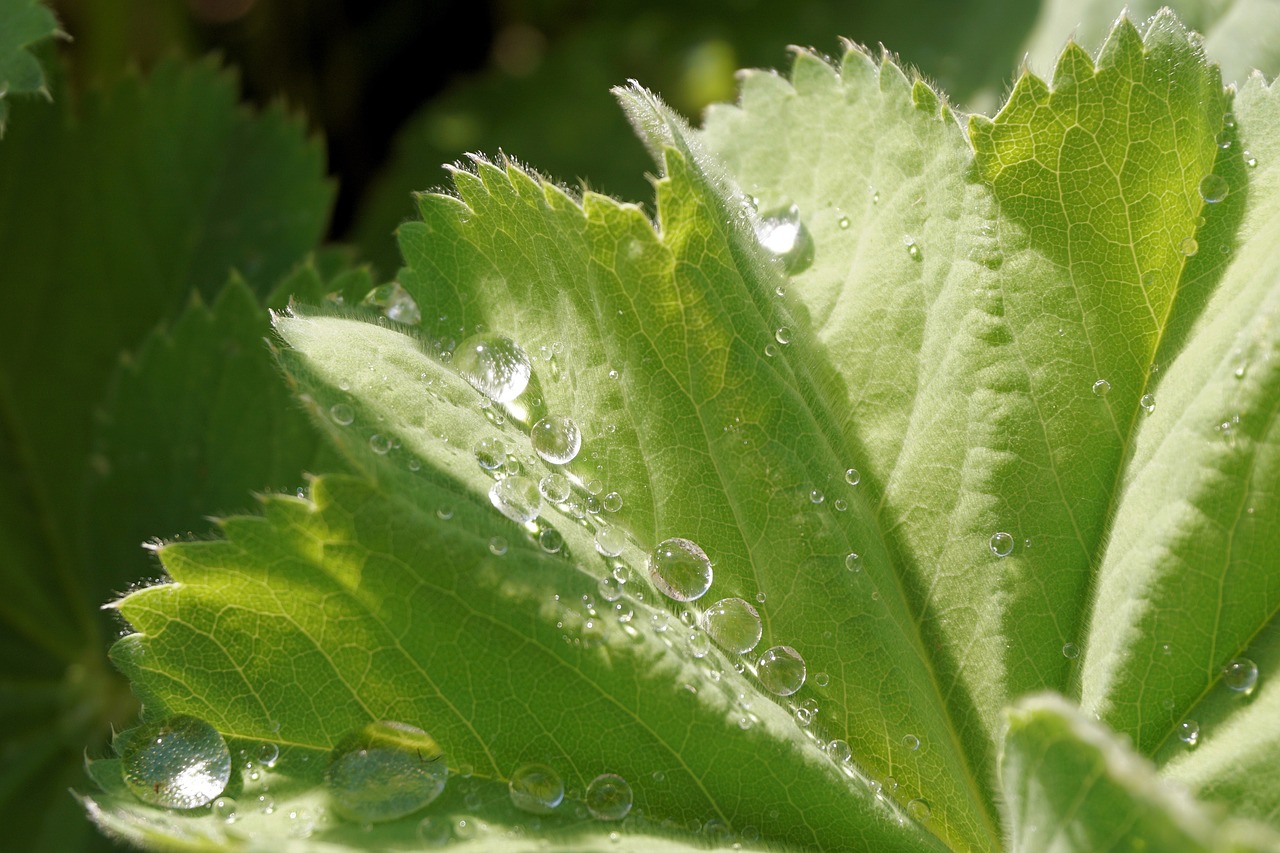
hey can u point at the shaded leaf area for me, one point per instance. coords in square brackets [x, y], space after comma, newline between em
[1068, 265]
[1070, 783]
[1242, 36]
[23, 25]
[115, 214]
[548, 104]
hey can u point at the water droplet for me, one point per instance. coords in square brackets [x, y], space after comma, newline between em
[517, 498]
[853, 561]
[444, 513]
[555, 488]
[839, 752]
[781, 670]
[784, 236]
[733, 624]
[783, 335]
[680, 569]
[911, 742]
[1189, 246]
[1224, 140]
[1213, 189]
[699, 644]
[495, 366]
[852, 477]
[225, 808]
[770, 350]
[491, 453]
[556, 438]
[498, 546]
[1189, 732]
[610, 589]
[268, 753]
[610, 541]
[550, 540]
[434, 831]
[816, 496]
[178, 763]
[395, 303]
[843, 222]
[1250, 160]
[612, 502]
[342, 414]
[1070, 651]
[1240, 675]
[536, 788]
[381, 444]
[1101, 388]
[913, 249]
[1001, 544]
[919, 809]
[1148, 403]
[609, 797]
[383, 771]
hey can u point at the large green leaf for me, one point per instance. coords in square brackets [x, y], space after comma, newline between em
[1034, 506]
[23, 24]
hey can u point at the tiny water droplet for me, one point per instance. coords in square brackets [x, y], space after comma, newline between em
[444, 513]
[913, 248]
[770, 350]
[911, 742]
[268, 753]
[843, 222]
[1213, 188]
[383, 771]
[784, 236]
[609, 588]
[556, 438]
[1070, 651]
[498, 546]
[853, 561]
[1101, 388]
[225, 808]
[550, 540]
[610, 541]
[839, 751]
[816, 496]
[782, 335]
[612, 502]
[342, 414]
[381, 444]
[609, 797]
[1250, 160]
[822, 679]
[781, 670]
[434, 831]
[179, 762]
[516, 497]
[494, 365]
[919, 810]
[1224, 140]
[699, 644]
[1189, 732]
[1241, 675]
[491, 453]
[1148, 403]
[536, 789]
[852, 477]
[1189, 246]
[680, 569]
[1001, 544]
[734, 624]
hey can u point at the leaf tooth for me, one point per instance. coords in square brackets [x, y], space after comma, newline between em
[811, 73]
[1074, 66]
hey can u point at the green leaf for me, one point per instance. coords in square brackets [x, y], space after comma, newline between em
[975, 333]
[23, 24]
[1068, 781]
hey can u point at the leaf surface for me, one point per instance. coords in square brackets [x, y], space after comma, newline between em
[23, 24]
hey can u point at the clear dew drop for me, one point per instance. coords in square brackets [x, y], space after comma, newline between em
[734, 624]
[612, 502]
[1189, 246]
[536, 789]
[609, 797]
[1101, 388]
[1070, 651]
[516, 497]
[816, 496]
[1241, 675]
[699, 644]
[380, 444]
[822, 679]
[609, 588]
[395, 303]
[784, 236]
[680, 569]
[1250, 160]
[852, 477]
[556, 438]
[913, 248]
[494, 365]
[919, 810]
[491, 453]
[781, 670]
[1001, 544]
[1189, 732]
[1148, 403]
[342, 414]
[434, 831]
[268, 754]
[853, 561]
[179, 762]
[498, 546]
[843, 222]
[783, 335]
[839, 752]
[555, 488]
[383, 771]
[911, 742]
[225, 809]
[610, 541]
[1213, 188]
[550, 540]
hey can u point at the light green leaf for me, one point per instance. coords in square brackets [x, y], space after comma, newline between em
[23, 24]
[975, 334]
[1070, 784]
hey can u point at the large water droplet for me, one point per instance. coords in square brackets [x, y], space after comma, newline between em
[610, 541]
[179, 763]
[781, 670]
[516, 497]
[383, 771]
[1213, 188]
[536, 788]
[495, 366]
[733, 624]
[491, 453]
[680, 569]
[919, 809]
[609, 797]
[1001, 544]
[1240, 675]
[784, 236]
[395, 303]
[556, 438]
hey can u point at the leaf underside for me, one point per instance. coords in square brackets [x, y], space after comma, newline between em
[1039, 328]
